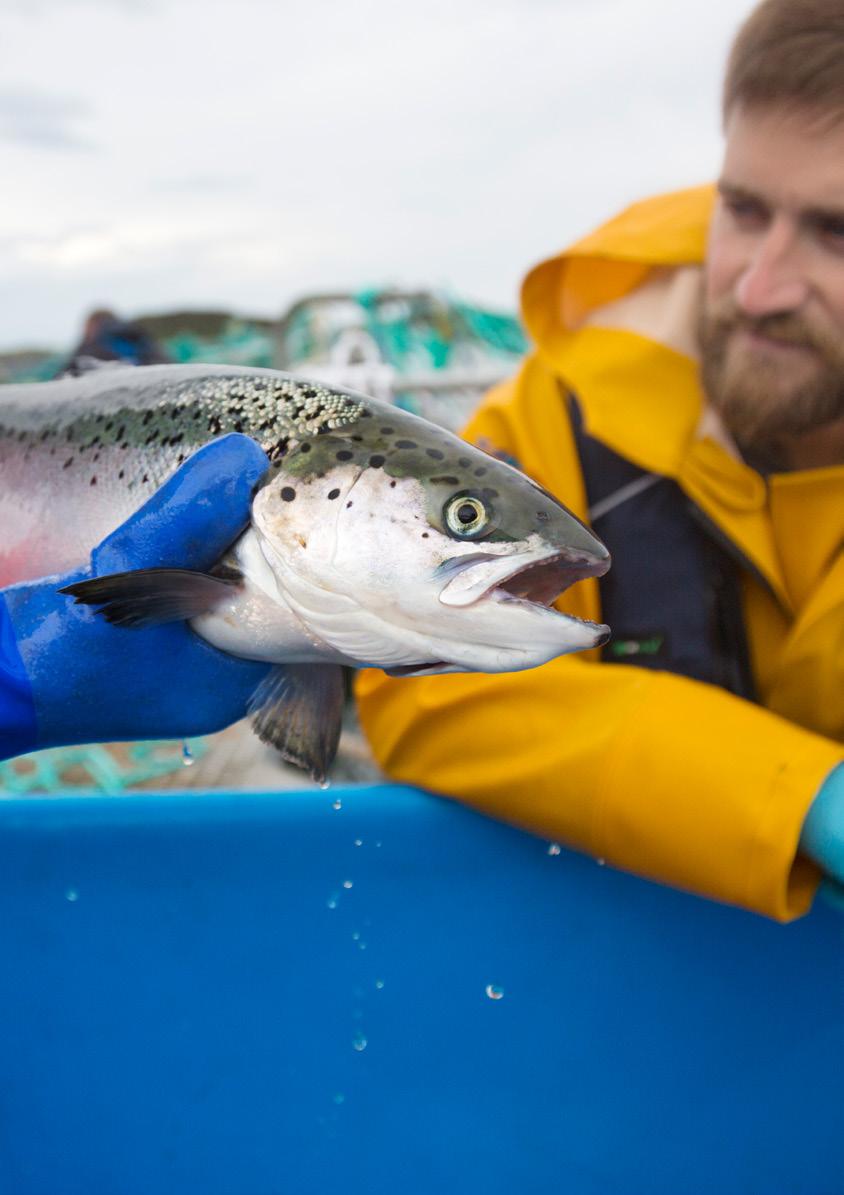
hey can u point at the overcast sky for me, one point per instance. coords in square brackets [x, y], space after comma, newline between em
[157, 154]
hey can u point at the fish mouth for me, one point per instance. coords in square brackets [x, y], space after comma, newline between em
[531, 580]
[541, 583]
[534, 578]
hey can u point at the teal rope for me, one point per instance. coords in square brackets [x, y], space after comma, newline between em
[102, 771]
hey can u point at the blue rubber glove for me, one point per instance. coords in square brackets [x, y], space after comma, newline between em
[822, 836]
[68, 676]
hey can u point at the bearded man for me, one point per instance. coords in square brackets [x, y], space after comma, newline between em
[686, 398]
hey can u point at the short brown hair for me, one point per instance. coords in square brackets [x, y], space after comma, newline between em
[789, 52]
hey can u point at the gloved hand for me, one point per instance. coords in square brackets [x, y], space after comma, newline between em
[68, 676]
[822, 836]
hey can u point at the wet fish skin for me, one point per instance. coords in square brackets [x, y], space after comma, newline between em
[376, 537]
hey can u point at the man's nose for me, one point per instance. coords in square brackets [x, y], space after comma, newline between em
[773, 280]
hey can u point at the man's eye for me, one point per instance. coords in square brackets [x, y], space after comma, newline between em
[833, 232]
[745, 211]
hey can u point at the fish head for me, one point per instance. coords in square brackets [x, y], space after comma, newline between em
[403, 547]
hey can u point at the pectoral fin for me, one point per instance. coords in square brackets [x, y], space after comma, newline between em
[298, 708]
[149, 596]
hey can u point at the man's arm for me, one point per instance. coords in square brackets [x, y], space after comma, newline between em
[660, 775]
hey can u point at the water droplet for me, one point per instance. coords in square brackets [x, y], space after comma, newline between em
[187, 755]
[332, 902]
[359, 1042]
[339, 1098]
[338, 804]
[356, 936]
[379, 983]
[361, 945]
[325, 784]
[601, 862]
[358, 842]
[494, 991]
[378, 844]
[347, 883]
[72, 894]
[554, 848]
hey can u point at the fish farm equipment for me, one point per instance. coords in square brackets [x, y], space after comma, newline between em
[425, 351]
[374, 990]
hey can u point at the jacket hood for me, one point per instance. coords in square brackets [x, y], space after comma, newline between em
[621, 305]
[615, 319]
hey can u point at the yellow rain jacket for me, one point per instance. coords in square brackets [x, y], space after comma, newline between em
[660, 775]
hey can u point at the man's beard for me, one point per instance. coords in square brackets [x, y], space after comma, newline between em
[767, 402]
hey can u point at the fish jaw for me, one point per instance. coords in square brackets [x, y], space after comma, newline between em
[506, 605]
[502, 630]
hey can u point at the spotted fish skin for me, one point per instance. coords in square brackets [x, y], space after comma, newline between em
[79, 455]
[375, 538]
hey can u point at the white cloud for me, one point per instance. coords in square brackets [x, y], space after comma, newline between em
[248, 153]
[42, 120]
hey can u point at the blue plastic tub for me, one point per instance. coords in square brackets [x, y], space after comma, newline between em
[257, 995]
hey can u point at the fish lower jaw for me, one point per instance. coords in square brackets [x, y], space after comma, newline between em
[504, 597]
[542, 635]
[554, 631]
[527, 595]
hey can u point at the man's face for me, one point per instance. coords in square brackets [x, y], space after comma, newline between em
[772, 324]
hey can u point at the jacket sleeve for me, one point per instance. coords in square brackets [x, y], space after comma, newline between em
[662, 776]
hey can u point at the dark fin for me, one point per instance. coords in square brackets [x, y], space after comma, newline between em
[227, 569]
[298, 708]
[151, 595]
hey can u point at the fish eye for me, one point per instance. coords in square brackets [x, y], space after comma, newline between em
[466, 515]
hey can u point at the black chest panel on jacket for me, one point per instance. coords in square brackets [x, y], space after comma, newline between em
[672, 596]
